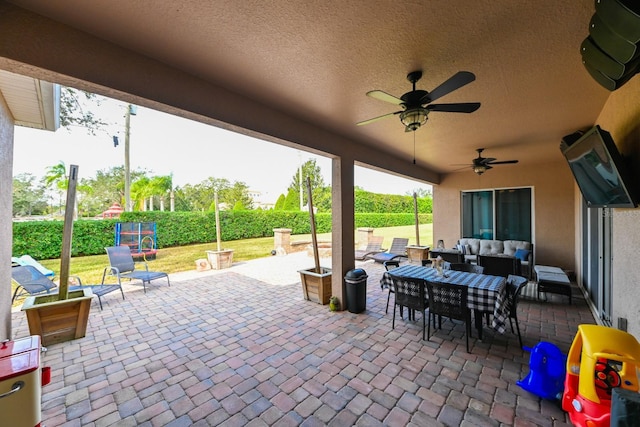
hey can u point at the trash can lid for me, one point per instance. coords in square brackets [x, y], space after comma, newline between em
[356, 273]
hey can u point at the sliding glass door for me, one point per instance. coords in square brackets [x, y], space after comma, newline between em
[504, 214]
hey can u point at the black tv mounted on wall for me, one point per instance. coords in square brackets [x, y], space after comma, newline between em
[599, 169]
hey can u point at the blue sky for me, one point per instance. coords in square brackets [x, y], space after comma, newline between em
[164, 144]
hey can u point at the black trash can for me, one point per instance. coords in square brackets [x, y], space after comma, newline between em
[356, 283]
[625, 408]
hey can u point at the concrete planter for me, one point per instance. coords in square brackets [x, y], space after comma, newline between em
[220, 259]
[417, 253]
[58, 321]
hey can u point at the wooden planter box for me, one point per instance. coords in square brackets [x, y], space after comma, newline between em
[316, 286]
[417, 253]
[220, 259]
[58, 321]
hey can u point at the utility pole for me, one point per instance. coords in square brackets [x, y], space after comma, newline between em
[131, 111]
[300, 178]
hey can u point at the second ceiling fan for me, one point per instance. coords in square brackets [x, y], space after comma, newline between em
[482, 164]
[416, 104]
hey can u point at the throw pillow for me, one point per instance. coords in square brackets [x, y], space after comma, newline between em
[462, 249]
[522, 254]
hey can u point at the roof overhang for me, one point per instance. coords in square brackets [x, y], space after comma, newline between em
[33, 103]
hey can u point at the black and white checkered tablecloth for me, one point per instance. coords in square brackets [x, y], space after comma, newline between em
[486, 293]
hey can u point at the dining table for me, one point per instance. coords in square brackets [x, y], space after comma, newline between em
[486, 293]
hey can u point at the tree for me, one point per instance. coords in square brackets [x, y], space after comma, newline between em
[312, 170]
[291, 201]
[106, 188]
[56, 179]
[279, 203]
[74, 110]
[237, 193]
[28, 198]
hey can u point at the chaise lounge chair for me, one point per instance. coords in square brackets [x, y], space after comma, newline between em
[28, 260]
[398, 250]
[123, 266]
[31, 281]
[373, 247]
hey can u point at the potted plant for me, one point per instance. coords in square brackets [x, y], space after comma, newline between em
[316, 281]
[417, 252]
[62, 316]
[221, 258]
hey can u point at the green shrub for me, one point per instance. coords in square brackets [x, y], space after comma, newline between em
[43, 239]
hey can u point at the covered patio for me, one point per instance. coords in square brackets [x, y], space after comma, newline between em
[241, 347]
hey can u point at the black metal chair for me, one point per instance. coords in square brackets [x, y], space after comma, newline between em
[389, 265]
[465, 266]
[448, 255]
[514, 288]
[450, 301]
[411, 293]
[500, 265]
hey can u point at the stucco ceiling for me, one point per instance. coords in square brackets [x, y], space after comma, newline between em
[317, 59]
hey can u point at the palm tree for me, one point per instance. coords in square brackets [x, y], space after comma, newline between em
[56, 179]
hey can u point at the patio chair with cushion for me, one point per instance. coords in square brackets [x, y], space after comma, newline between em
[410, 292]
[33, 282]
[448, 255]
[374, 246]
[122, 265]
[398, 249]
[448, 300]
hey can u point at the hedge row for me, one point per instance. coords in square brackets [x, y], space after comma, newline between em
[43, 239]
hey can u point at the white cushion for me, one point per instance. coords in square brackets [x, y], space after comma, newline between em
[491, 247]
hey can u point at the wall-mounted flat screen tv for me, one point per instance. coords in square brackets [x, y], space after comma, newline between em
[599, 170]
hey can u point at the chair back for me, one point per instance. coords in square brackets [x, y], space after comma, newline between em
[399, 246]
[120, 258]
[449, 256]
[515, 284]
[391, 264]
[374, 244]
[465, 266]
[31, 278]
[448, 300]
[500, 265]
[410, 292]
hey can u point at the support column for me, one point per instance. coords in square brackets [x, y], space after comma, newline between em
[6, 210]
[342, 221]
[364, 236]
[282, 240]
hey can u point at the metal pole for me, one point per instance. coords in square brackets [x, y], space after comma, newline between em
[415, 210]
[127, 165]
[218, 234]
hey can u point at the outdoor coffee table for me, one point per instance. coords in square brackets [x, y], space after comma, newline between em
[553, 280]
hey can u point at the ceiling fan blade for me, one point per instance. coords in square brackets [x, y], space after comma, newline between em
[375, 119]
[504, 162]
[458, 80]
[486, 160]
[464, 107]
[384, 96]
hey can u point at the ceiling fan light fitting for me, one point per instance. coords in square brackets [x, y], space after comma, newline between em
[414, 118]
[479, 169]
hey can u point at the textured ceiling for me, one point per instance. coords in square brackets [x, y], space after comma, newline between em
[316, 60]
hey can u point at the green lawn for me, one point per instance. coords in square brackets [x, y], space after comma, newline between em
[182, 258]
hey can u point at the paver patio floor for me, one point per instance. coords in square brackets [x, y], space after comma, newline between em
[241, 347]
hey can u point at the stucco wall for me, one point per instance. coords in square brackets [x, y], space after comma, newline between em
[621, 117]
[6, 191]
[553, 194]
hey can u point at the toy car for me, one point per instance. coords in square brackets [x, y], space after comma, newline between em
[599, 360]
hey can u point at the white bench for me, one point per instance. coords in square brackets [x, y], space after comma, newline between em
[553, 280]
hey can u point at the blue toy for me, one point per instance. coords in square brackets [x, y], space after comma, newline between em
[547, 371]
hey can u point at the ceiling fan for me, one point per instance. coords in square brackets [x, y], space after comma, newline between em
[416, 104]
[481, 164]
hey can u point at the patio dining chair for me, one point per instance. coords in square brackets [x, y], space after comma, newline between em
[448, 300]
[389, 265]
[514, 288]
[500, 265]
[122, 265]
[411, 293]
[33, 282]
[465, 266]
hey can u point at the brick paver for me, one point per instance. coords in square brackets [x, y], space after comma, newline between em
[241, 347]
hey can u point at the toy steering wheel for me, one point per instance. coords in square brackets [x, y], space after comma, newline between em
[606, 377]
